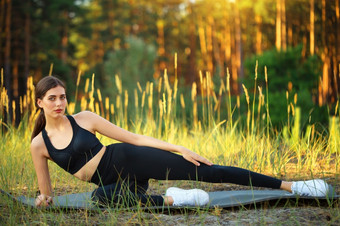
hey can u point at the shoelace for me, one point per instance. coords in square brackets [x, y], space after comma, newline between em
[305, 194]
[297, 192]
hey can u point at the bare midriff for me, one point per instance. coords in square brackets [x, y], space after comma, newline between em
[87, 171]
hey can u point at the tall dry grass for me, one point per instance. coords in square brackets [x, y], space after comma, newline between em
[217, 136]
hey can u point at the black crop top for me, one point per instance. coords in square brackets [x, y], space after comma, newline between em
[82, 148]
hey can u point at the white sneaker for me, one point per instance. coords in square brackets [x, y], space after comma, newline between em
[192, 197]
[316, 188]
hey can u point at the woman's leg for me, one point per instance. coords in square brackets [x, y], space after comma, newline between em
[127, 194]
[143, 163]
[146, 162]
[124, 162]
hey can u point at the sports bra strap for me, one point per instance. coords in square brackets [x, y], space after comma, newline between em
[71, 119]
[83, 146]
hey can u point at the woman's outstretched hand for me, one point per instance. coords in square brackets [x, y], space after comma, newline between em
[193, 157]
[43, 200]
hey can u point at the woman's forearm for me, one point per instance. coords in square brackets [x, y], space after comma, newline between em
[190, 156]
[156, 143]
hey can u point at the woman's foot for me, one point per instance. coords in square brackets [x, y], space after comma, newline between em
[316, 188]
[192, 197]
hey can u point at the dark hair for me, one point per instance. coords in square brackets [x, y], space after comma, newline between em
[44, 85]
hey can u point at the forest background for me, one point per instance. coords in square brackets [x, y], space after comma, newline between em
[297, 40]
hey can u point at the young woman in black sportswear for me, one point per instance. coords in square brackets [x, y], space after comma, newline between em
[125, 168]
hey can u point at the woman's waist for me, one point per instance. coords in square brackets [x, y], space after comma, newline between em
[87, 171]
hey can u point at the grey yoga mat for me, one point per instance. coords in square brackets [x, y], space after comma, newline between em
[222, 199]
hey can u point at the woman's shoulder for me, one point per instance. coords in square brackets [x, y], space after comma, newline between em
[37, 142]
[86, 119]
[84, 115]
[38, 147]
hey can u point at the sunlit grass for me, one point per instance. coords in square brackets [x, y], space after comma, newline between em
[221, 138]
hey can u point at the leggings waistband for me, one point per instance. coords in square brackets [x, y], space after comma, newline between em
[96, 178]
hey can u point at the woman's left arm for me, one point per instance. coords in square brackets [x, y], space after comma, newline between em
[108, 129]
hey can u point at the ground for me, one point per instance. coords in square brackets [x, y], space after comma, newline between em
[272, 213]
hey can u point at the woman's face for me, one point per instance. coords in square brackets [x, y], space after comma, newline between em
[54, 102]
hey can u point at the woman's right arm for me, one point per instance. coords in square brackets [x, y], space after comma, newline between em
[43, 175]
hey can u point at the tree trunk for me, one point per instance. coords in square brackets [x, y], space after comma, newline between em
[325, 67]
[2, 19]
[337, 44]
[336, 53]
[325, 79]
[258, 21]
[283, 25]
[203, 45]
[16, 47]
[161, 49]
[237, 72]
[278, 25]
[290, 34]
[304, 46]
[27, 45]
[210, 64]
[15, 68]
[190, 78]
[311, 33]
[216, 52]
[7, 64]
[323, 19]
[227, 43]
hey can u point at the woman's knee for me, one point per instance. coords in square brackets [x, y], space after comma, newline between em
[215, 173]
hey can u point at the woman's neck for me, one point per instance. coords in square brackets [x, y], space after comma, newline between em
[55, 123]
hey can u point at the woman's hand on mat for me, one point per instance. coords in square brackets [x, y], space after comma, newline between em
[43, 200]
[193, 157]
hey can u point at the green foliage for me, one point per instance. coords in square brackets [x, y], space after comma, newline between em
[133, 63]
[287, 72]
[285, 67]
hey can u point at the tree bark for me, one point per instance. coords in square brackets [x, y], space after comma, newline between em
[323, 19]
[336, 60]
[283, 26]
[311, 33]
[16, 47]
[258, 21]
[323, 92]
[210, 64]
[2, 18]
[278, 25]
[190, 78]
[337, 45]
[227, 43]
[325, 79]
[216, 52]
[290, 34]
[203, 45]
[161, 49]
[7, 60]
[27, 45]
[237, 72]
[7, 65]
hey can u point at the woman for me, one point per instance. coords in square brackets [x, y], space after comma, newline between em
[124, 169]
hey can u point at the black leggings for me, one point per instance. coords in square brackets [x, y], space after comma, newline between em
[125, 169]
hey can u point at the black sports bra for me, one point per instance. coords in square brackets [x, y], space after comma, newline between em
[82, 148]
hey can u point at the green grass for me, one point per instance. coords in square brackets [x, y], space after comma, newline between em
[286, 154]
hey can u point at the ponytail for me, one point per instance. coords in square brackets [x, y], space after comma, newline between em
[40, 123]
